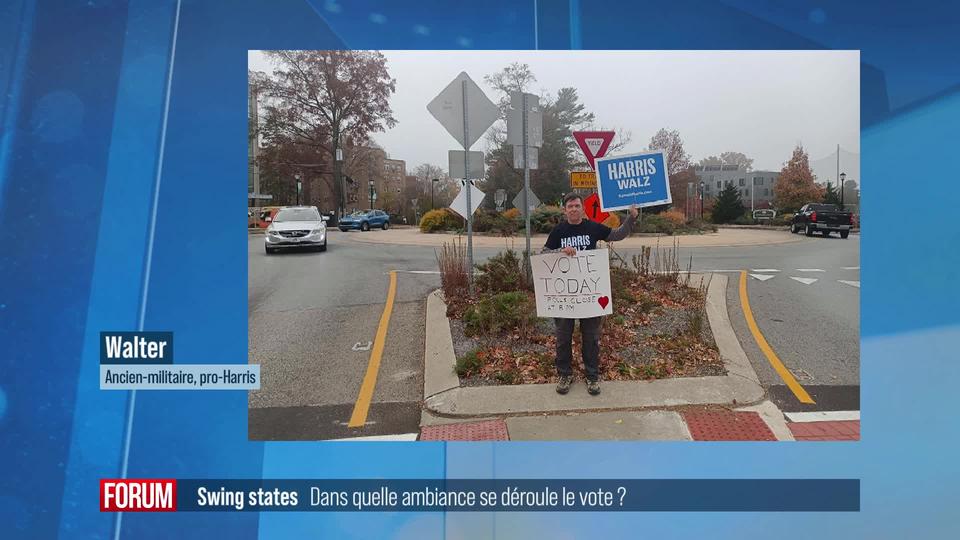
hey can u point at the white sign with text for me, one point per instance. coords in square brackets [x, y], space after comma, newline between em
[575, 287]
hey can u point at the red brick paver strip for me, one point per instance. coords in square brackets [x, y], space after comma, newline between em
[719, 425]
[488, 430]
[833, 430]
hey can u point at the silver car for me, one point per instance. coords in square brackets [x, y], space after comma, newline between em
[296, 227]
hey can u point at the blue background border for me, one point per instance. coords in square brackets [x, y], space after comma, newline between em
[113, 110]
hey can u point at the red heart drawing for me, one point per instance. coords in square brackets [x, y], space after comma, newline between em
[603, 300]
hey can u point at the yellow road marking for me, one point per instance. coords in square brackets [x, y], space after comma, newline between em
[782, 370]
[362, 406]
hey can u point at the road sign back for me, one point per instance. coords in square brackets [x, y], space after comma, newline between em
[592, 207]
[594, 144]
[455, 163]
[447, 108]
[532, 200]
[459, 204]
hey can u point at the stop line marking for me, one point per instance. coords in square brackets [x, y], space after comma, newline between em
[810, 270]
[764, 270]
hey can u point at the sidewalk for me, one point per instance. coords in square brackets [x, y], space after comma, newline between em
[722, 238]
[760, 423]
[720, 408]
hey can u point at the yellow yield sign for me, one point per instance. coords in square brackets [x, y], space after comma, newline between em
[583, 180]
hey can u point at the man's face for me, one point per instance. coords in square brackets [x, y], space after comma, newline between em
[574, 211]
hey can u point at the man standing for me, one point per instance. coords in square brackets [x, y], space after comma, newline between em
[577, 234]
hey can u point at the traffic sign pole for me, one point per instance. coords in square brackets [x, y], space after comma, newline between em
[467, 186]
[526, 178]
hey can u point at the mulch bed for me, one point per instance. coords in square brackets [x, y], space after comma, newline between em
[658, 330]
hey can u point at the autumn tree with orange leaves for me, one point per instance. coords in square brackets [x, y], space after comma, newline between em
[795, 186]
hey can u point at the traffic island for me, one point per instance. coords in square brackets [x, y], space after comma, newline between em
[444, 396]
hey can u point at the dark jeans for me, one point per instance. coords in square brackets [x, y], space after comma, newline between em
[590, 332]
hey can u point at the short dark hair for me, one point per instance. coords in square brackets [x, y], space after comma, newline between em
[570, 197]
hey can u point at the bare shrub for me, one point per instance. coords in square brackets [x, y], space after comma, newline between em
[454, 279]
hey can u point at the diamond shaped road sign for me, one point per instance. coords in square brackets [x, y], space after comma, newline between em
[591, 206]
[447, 108]
[594, 144]
[459, 204]
[532, 201]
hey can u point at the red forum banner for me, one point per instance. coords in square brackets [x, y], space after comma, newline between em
[138, 495]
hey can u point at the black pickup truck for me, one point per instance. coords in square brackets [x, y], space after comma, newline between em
[822, 218]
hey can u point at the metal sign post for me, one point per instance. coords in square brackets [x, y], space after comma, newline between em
[526, 177]
[469, 184]
[525, 132]
[452, 108]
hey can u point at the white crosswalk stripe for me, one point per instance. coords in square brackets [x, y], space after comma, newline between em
[398, 437]
[822, 416]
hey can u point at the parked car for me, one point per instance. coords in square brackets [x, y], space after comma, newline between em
[822, 218]
[296, 227]
[365, 220]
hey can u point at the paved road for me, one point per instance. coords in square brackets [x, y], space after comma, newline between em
[812, 326]
[309, 311]
[307, 314]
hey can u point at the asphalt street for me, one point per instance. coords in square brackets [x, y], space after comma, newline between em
[313, 318]
[811, 323]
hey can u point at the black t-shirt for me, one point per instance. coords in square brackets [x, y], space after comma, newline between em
[583, 235]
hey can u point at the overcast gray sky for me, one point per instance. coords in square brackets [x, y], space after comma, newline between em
[761, 103]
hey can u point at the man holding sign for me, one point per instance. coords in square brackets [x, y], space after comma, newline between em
[579, 234]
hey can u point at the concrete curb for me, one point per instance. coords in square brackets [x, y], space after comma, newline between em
[740, 387]
[439, 358]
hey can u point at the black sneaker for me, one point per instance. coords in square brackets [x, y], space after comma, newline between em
[563, 385]
[593, 387]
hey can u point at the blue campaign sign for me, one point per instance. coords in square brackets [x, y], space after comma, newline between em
[639, 179]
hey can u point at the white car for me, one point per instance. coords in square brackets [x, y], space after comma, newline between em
[296, 227]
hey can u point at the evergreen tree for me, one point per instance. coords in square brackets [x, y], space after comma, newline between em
[832, 195]
[728, 206]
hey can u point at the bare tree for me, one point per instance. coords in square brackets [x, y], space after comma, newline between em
[672, 146]
[323, 99]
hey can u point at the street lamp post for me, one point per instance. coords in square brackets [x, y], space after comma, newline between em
[843, 180]
[432, 183]
[372, 195]
[702, 185]
[338, 177]
[299, 185]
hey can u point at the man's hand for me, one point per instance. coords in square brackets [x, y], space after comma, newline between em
[633, 212]
[569, 251]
